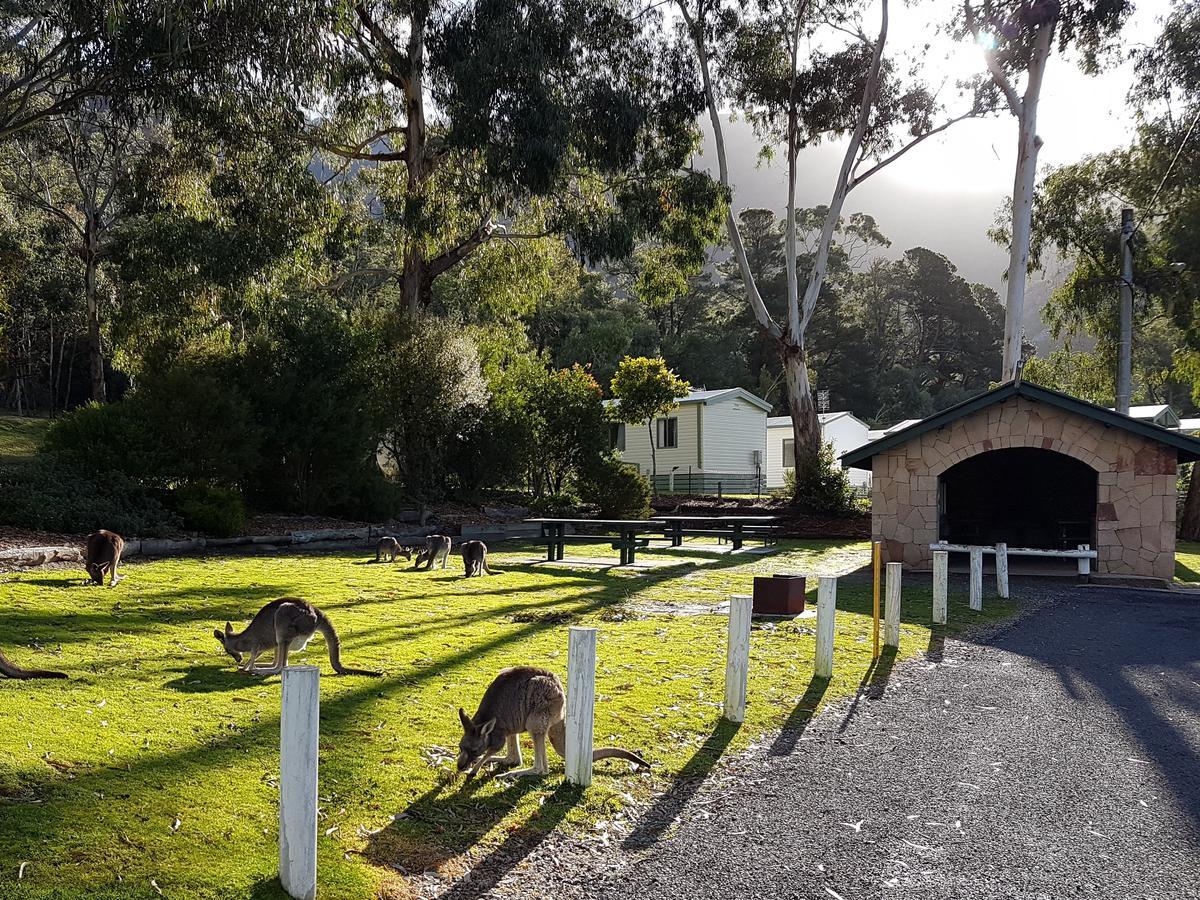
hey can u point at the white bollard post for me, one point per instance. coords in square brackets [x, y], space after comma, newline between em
[1085, 562]
[737, 659]
[581, 703]
[299, 724]
[891, 605]
[941, 585]
[1002, 570]
[976, 578]
[826, 614]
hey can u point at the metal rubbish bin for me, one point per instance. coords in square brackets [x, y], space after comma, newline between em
[779, 595]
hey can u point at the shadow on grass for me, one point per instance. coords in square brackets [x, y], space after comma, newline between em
[211, 678]
[798, 719]
[435, 830]
[667, 807]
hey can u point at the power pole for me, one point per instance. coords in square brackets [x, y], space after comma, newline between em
[1125, 339]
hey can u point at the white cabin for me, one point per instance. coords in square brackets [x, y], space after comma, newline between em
[712, 440]
[842, 429]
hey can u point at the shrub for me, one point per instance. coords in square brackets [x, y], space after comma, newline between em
[617, 488]
[219, 512]
[823, 488]
[554, 505]
[48, 495]
[96, 439]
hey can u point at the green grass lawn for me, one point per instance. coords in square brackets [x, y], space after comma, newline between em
[1187, 562]
[21, 437]
[156, 763]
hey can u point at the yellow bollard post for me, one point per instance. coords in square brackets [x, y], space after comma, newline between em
[876, 554]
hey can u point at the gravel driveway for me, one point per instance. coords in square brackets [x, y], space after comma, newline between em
[1060, 760]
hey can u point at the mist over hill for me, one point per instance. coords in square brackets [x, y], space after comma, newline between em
[951, 222]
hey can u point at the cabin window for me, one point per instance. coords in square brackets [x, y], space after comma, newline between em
[789, 454]
[616, 436]
[668, 432]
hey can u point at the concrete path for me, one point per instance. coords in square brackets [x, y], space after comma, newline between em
[1062, 761]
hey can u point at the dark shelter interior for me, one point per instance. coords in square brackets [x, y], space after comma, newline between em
[1021, 496]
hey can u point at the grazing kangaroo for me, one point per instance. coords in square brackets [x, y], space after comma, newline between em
[474, 554]
[523, 698]
[283, 625]
[103, 555]
[437, 548]
[8, 670]
[392, 548]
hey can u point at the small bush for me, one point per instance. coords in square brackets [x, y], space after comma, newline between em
[219, 512]
[618, 489]
[554, 505]
[47, 495]
[97, 439]
[823, 488]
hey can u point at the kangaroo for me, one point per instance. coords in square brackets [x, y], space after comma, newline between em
[474, 554]
[392, 548]
[103, 555]
[283, 625]
[437, 548]
[523, 698]
[8, 670]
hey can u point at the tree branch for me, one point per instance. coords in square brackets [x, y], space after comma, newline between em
[887, 161]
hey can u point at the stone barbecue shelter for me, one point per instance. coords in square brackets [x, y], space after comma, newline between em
[1032, 468]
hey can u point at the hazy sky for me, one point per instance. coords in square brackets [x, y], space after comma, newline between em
[945, 193]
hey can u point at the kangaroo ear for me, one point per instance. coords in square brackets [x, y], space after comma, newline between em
[218, 635]
[464, 718]
[228, 628]
[486, 728]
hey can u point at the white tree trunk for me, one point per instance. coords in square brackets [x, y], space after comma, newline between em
[1028, 145]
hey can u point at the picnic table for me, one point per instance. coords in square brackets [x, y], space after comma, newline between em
[554, 533]
[735, 528]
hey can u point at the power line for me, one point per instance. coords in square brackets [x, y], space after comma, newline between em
[1178, 153]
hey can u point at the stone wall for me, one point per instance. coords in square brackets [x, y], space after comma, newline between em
[1136, 491]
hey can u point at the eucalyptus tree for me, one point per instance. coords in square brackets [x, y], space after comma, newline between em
[56, 55]
[486, 121]
[1018, 38]
[787, 66]
[70, 169]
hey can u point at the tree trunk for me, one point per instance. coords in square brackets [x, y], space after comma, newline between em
[806, 427]
[1028, 145]
[95, 348]
[1189, 523]
[653, 458]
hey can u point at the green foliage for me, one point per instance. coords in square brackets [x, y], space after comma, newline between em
[618, 489]
[424, 390]
[645, 388]
[214, 511]
[822, 488]
[49, 495]
[96, 440]
[1082, 375]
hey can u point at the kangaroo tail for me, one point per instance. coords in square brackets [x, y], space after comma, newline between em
[618, 753]
[335, 648]
[11, 671]
[558, 740]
